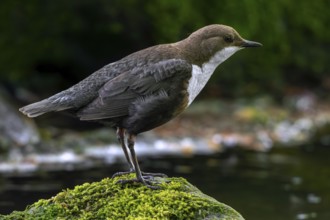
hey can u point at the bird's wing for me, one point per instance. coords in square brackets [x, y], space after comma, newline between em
[117, 94]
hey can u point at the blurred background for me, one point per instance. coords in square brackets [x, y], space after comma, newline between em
[257, 138]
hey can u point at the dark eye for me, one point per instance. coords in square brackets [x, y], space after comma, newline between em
[228, 39]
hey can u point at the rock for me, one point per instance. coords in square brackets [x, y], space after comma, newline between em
[177, 199]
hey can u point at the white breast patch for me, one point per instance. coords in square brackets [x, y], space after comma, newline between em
[200, 75]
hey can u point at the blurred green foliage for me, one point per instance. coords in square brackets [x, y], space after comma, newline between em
[48, 45]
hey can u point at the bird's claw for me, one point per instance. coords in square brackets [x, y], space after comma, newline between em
[147, 181]
[145, 175]
[154, 175]
[122, 173]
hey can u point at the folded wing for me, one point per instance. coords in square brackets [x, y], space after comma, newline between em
[116, 96]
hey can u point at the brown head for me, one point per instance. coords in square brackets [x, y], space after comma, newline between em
[204, 43]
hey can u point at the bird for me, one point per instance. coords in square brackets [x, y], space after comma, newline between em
[147, 88]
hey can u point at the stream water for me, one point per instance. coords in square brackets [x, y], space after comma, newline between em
[284, 184]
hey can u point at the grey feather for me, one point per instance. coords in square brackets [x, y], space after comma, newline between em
[58, 102]
[116, 96]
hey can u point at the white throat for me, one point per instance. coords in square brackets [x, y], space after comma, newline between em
[200, 75]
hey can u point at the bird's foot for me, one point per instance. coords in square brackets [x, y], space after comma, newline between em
[144, 174]
[122, 173]
[148, 175]
[148, 181]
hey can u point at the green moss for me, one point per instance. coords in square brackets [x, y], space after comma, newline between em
[177, 199]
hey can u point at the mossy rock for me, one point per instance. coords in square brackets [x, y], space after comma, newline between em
[177, 199]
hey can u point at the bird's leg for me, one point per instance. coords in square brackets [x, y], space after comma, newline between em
[121, 139]
[131, 142]
[139, 178]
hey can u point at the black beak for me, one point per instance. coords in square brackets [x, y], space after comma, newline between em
[248, 43]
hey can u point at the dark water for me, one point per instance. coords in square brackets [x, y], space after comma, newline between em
[287, 183]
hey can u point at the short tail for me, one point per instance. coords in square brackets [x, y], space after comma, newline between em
[54, 103]
[36, 109]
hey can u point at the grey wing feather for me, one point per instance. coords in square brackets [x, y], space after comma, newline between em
[117, 95]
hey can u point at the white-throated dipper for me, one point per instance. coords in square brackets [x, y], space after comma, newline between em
[147, 88]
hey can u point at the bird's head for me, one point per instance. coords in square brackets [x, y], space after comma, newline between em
[214, 39]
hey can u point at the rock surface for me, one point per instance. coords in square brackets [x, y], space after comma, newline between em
[176, 199]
